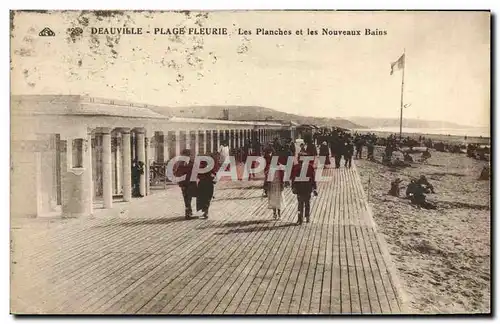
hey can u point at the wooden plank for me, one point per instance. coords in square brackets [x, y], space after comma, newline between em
[250, 299]
[234, 263]
[335, 282]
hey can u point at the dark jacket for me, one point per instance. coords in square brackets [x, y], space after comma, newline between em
[186, 169]
[303, 188]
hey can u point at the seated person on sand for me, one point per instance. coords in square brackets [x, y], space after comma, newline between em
[415, 192]
[398, 163]
[395, 188]
[428, 187]
[408, 157]
[485, 174]
[426, 154]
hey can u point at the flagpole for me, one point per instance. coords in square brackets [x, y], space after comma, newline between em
[402, 90]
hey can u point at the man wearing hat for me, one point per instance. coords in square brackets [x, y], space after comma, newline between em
[303, 189]
[187, 186]
[426, 184]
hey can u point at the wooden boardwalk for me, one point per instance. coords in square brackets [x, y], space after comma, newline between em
[143, 257]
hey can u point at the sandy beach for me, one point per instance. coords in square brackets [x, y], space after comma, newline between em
[443, 255]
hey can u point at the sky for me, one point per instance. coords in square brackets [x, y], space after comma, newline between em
[447, 67]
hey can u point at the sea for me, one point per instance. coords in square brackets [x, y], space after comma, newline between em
[469, 132]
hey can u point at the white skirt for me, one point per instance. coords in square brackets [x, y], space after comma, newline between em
[275, 196]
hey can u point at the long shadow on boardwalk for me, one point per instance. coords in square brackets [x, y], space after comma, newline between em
[250, 187]
[256, 229]
[237, 224]
[237, 198]
[154, 221]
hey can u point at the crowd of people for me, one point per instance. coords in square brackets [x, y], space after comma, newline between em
[202, 187]
[331, 145]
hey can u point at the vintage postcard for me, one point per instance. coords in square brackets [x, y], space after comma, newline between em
[250, 162]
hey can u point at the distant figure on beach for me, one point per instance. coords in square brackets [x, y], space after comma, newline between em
[425, 184]
[359, 142]
[371, 148]
[407, 157]
[426, 155]
[485, 174]
[416, 193]
[395, 188]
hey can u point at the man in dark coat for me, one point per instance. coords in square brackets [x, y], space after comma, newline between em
[348, 152]
[188, 186]
[337, 150]
[359, 142]
[303, 189]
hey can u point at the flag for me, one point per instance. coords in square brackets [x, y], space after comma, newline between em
[398, 65]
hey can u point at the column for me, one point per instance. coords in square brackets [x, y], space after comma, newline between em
[166, 148]
[231, 138]
[188, 139]
[215, 141]
[141, 157]
[87, 162]
[107, 174]
[196, 143]
[177, 143]
[127, 166]
[205, 148]
[147, 143]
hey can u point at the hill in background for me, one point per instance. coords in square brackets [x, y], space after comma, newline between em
[253, 113]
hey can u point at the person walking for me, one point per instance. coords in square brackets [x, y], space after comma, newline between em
[303, 189]
[206, 184]
[325, 152]
[188, 186]
[348, 152]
